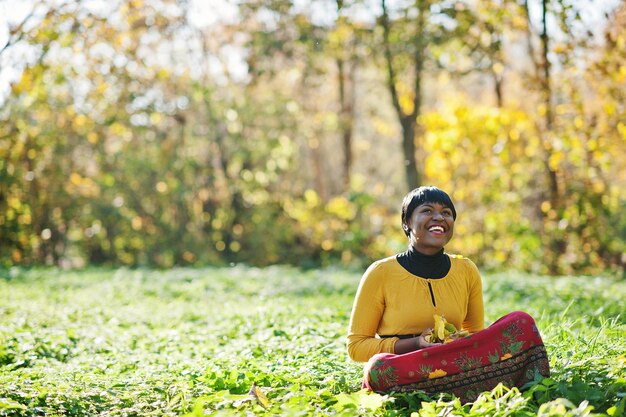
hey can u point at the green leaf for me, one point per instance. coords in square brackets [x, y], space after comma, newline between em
[345, 400]
[8, 404]
[371, 401]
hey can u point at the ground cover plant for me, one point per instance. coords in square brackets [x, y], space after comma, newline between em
[194, 341]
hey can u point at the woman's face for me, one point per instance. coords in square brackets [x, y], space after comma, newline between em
[431, 227]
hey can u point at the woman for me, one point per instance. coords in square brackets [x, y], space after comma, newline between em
[398, 298]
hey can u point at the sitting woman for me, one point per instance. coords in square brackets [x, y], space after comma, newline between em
[400, 298]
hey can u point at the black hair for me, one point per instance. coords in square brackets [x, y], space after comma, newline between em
[421, 195]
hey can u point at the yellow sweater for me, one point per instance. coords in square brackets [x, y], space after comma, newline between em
[392, 301]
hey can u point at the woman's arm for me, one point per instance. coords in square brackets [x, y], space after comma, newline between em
[414, 343]
[367, 311]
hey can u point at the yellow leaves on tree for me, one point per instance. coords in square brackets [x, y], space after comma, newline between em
[82, 186]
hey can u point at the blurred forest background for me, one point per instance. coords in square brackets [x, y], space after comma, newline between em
[162, 132]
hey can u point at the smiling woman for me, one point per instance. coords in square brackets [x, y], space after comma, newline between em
[428, 217]
[401, 298]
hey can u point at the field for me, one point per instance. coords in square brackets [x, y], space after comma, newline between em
[193, 341]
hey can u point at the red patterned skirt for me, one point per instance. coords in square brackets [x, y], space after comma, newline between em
[509, 351]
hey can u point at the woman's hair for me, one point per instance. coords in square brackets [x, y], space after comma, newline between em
[421, 195]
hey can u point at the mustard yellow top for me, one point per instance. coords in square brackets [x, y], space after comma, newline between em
[392, 301]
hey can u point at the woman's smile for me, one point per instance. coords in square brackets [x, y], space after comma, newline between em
[436, 230]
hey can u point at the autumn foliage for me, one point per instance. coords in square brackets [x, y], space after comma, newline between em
[142, 135]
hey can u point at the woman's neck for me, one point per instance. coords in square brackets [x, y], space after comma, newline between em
[414, 252]
[426, 266]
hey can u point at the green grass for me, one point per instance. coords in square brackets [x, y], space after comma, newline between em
[193, 341]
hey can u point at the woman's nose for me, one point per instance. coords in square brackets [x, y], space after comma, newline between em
[437, 215]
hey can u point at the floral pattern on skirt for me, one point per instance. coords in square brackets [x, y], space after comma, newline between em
[510, 351]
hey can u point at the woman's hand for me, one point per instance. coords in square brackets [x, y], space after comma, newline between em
[421, 339]
[414, 343]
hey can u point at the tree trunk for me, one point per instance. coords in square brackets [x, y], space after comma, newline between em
[498, 90]
[346, 116]
[555, 242]
[408, 120]
[413, 179]
[547, 99]
[346, 76]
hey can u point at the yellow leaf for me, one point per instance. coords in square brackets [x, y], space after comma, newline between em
[259, 395]
[327, 244]
[342, 208]
[92, 137]
[555, 160]
[445, 332]
[75, 178]
[311, 198]
[155, 118]
[79, 121]
[439, 328]
[579, 123]
[406, 103]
